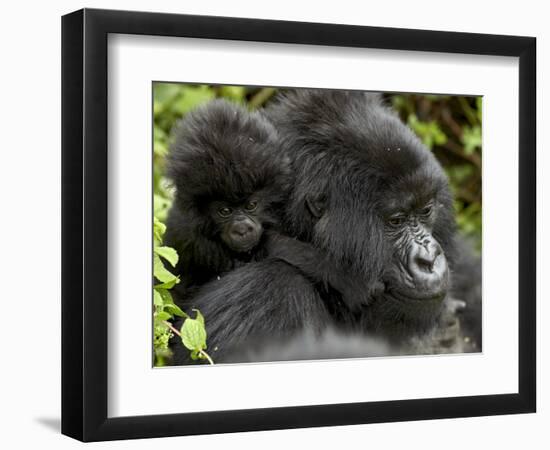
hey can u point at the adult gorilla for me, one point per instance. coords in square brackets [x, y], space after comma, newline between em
[371, 197]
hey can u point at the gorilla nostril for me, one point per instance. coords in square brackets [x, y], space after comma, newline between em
[426, 257]
[425, 264]
[241, 229]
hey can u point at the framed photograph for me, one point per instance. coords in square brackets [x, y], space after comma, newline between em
[274, 225]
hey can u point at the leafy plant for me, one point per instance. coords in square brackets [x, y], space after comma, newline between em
[193, 331]
[193, 336]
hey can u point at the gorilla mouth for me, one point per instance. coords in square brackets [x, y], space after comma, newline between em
[410, 306]
[402, 296]
[244, 245]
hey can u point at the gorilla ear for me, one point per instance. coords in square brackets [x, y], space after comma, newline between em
[316, 205]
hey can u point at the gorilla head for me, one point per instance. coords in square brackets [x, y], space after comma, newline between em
[230, 185]
[373, 197]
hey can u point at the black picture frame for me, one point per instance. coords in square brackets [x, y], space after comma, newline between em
[84, 224]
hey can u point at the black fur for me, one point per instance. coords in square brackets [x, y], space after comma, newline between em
[352, 161]
[264, 301]
[224, 154]
[221, 153]
[354, 155]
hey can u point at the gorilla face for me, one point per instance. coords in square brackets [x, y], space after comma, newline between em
[239, 225]
[417, 222]
[419, 270]
[390, 231]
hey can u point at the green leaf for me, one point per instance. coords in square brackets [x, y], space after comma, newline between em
[199, 317]
[479, 104]
[166, 92]
[471, 138]
[166, 296]
[161, 206]
[168, 253]
[162, 335]
[161, 273]
[193, 334]
[233, 92]
[160, 148]
[430, 132]
[175, 310]
[163, 299]
[157, 298]
[158, 229]
[162, 315]
[159, 133]
[192, 96]
[158, 108]
[167, 285]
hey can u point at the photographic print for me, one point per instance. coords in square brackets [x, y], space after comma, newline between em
[306, 224]
[254, 203]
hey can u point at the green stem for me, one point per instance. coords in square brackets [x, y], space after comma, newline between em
[261, 97]
[202, 352]
[207, 356]
[169, 325]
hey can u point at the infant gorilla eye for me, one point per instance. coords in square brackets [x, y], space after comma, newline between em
[251, 206]
[225, 211]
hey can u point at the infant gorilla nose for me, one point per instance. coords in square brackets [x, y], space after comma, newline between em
[241, 229]
[244, 234]
[428, 268]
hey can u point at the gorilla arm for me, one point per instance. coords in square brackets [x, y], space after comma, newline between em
[317, 266]
[257, 303]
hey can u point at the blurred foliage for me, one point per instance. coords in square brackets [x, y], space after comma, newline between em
[450, 126]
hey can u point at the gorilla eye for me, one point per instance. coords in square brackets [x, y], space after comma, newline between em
[396, 221]
[426, 211]
[251, 206]
[224, 211]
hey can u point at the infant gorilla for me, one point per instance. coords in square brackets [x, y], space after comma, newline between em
[231, 184]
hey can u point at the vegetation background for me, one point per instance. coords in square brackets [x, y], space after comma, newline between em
[450, 126]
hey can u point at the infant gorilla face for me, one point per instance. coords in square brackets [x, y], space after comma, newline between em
[239, 225]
